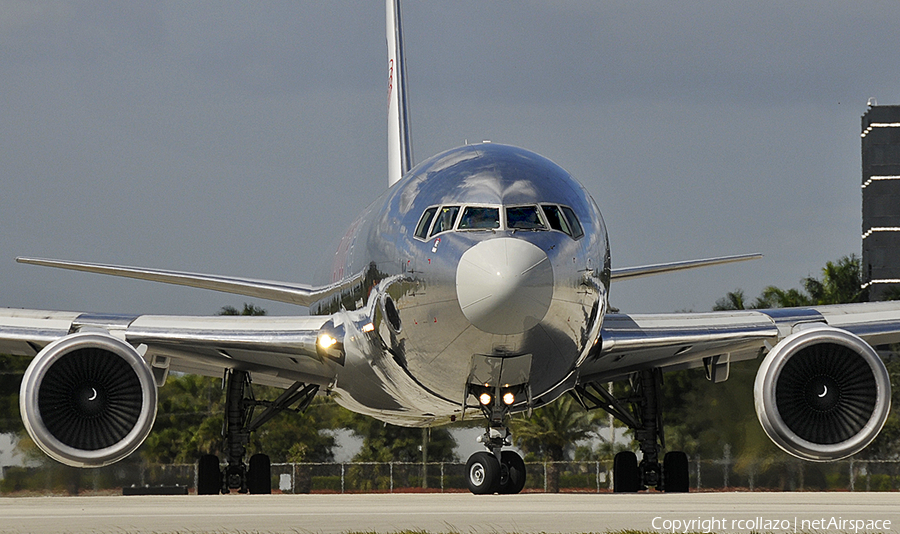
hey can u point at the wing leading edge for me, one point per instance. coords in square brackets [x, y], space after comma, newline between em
[672, 341]
[628, 273]
[299, 294]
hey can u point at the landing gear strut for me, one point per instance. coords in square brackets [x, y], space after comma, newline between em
[495, 470]
[240, 404]
[645, 418]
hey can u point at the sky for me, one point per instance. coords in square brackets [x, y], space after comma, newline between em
[242, 138]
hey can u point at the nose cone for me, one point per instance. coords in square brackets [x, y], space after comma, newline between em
[504, 285]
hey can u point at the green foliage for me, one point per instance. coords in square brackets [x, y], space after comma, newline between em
[248, 309]
[552, 430]
[702, 418]
[293, 437]
[383, 442]
[887, 445]
[11, 370]
[190, 418]
[841, 283]
[733, 300]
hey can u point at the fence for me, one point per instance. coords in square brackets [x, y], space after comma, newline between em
[586, 476]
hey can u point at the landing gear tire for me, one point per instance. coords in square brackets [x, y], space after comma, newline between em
[209, 476]
[483, 473]
[512, 473]
[626, 475]
[259, 476]
[675, 472]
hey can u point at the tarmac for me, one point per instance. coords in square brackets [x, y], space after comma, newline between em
[456, 512]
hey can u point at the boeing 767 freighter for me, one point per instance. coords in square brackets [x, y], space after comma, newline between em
[476, 286]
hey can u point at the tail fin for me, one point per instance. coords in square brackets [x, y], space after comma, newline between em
[399, 144]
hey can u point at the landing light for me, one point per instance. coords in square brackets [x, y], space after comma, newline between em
[326, 341]
[509, 398]
[484, 398]
[368, 327]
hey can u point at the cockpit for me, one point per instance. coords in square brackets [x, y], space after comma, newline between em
[467, 218]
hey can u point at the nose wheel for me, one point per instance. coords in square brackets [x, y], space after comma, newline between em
[486, 475]
[495, 470]
[483, 473]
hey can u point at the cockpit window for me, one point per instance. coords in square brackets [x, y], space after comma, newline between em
[556, 219]
[562, 218]
[523, 218]
[439, 219]
[573, 222]
[445, 219]
[425, 223]
[478, 218]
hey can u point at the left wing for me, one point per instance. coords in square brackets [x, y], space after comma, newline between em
[629, 273]
[674, 341]
[821, 393]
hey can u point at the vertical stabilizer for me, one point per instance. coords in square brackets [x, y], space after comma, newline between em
[399, 144]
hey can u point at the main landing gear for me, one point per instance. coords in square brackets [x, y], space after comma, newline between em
[645, 419]
[239, 423]
[495, 470]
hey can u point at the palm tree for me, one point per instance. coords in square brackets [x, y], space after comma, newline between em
[249, 309]
[552, 432]
[733, 300]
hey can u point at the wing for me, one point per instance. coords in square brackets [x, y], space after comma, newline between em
[300, 294]
[672, 341]
[821, 393]
[279, 351]
[629, 273]
[89, 398]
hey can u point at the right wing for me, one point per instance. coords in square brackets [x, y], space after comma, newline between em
[89, 399]
[277, 350]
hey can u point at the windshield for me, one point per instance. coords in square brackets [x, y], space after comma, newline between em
[478, 218]
[445, 219]
[523, 218]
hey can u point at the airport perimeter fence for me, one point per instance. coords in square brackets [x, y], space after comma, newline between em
[364, 477]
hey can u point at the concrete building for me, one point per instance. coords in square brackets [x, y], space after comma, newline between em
[881, 199]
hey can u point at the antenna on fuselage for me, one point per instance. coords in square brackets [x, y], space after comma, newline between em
[399, 143]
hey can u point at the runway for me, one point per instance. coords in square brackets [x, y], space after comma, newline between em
[456, 512]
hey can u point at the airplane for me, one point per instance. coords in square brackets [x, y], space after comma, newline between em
[475, 286]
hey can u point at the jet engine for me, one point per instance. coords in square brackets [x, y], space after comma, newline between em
[88, 399]
[822, 394]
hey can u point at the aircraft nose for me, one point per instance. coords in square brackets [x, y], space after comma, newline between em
[504, 285]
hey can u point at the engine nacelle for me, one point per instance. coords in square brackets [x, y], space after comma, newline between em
[88, 399]
[822, 394]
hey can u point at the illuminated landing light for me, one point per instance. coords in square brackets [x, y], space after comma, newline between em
[326, 341]
[508, 398]
[368, 327]
[484, 398]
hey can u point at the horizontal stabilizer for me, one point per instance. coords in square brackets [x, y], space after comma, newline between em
[628, 273]
[300, 294]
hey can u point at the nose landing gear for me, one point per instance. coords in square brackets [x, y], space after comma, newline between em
[495, 470]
